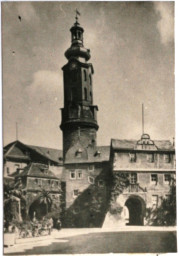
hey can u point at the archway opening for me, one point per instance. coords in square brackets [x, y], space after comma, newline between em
[38, 209]
[136, 211]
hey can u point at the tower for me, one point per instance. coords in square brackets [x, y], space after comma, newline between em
[79, 115]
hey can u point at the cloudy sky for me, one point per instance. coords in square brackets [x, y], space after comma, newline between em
[132, 48]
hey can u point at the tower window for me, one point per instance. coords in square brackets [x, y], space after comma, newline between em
[91, 179]
[75, 193]
[90, 79]
[91, 95]
[85, 75]
[85, 93]
[79, 174]
[73, 94]
[72, 175]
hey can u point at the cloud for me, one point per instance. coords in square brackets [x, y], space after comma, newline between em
[45, 86]
[165, 25]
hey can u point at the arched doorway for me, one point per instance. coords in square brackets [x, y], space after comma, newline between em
[40, 209]
[136, 207]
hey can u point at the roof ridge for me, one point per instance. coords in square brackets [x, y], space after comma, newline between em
[44, 147]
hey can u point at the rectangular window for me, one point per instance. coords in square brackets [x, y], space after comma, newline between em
[167, 158]
[79, 174]
[133, 178]
[132, 157]
[154, 201]
[75, 192]
[91, 180]
[154, 179]
[167, 178]
[150, 158]
[72, 175]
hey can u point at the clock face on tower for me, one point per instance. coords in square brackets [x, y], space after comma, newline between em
[73, 65]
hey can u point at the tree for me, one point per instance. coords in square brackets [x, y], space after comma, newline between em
[13, 200]
[165, 214]
[46, 199]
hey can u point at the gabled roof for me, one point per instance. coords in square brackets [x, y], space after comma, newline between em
[161, 145]
[16, 149]
[55, 155]
[36, 170]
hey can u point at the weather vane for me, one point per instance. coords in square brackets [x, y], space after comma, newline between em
[77, 14]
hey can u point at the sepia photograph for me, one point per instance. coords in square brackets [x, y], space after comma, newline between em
[88, 117]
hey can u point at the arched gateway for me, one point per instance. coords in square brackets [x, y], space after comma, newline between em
[136, 207]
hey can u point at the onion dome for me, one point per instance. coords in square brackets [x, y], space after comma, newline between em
[77, 49]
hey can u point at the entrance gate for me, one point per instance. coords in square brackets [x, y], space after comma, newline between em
[136, 207]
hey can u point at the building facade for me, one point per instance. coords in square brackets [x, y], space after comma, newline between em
[134, 175]
[17, 155]
[37, 181]
[34, 171]
[149, 168]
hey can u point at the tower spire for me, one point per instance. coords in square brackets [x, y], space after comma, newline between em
[142, 118]
[77, 14]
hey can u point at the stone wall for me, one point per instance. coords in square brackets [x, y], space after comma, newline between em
[87, 136]
[87, 198]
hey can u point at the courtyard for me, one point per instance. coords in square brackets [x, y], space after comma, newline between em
[80, 241]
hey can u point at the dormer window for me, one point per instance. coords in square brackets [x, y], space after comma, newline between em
[132, 157]
[78, 153]
[98, 153]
